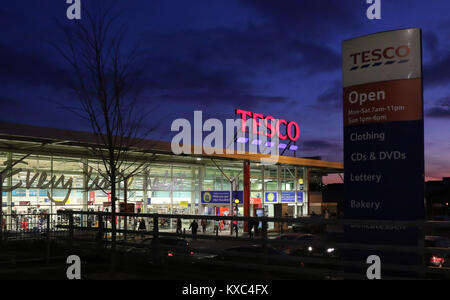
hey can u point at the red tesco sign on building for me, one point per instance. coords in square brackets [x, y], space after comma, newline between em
[291, 132]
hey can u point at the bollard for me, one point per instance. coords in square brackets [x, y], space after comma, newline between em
[264, 232]
[155, 244]
[71, 229]
[47, 239]
[100, 231]
[421, 244]
[264, 241]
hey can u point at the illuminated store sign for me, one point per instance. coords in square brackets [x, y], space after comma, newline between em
[274, 127]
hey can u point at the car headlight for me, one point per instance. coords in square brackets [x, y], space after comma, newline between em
[330, 250]
[310, 248]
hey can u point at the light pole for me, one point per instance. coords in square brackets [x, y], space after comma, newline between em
[236, 213]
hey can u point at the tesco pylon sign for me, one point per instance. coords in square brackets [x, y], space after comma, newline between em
[383, 142]
[390, 55]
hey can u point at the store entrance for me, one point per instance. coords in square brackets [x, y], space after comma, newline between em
[223, 211]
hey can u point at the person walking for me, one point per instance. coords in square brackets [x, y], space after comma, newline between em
[194, 227]
[179, 224]
[256, 226]
[250, 225]
[264, 229]
[135, 224]
[216, 227]
[235, 226]
[142, 226]
[204, 223]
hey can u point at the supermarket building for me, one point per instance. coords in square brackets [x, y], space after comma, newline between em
[175, 184]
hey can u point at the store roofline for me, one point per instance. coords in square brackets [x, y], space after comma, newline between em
[41, 134]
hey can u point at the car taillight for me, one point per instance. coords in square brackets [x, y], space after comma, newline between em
[192, 252]
[436, 260]
[169, 254]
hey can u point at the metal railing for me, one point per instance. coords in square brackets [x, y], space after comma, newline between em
[94, 230]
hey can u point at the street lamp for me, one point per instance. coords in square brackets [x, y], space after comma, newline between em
[236, 213]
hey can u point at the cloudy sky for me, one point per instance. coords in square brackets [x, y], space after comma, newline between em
[273, 57]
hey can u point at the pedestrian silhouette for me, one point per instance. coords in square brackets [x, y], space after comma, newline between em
[179, 224]
[194, 227]
[235, 226]
[142, 226]
[216, 227]
[250, 228]
[204, 223]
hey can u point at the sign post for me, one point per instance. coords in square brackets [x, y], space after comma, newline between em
[383, 140]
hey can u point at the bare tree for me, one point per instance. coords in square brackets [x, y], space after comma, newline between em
[105, 74]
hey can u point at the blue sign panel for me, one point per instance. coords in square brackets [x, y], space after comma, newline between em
[384, 178]
[19, 193]
[149, 201]
[300, 197]
[33, 193]
[288, 197]
[221, 197]
[271, 197]
[239, 195]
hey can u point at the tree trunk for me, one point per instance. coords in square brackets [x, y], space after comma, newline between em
[113, 220]
[125, 187]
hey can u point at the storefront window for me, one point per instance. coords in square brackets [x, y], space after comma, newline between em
[270, 178]
[170, 187]
[287, 178]
[256, 179]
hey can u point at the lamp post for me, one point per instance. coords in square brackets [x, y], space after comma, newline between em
[236, 213]
[236, 208]
[1, 208]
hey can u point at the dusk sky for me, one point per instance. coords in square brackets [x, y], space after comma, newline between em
[281, 58]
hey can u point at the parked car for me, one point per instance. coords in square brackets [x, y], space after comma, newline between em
[256, 254]
[442, 218]
[438, 259]
[172, 248]
[312, 228]
[299, 244]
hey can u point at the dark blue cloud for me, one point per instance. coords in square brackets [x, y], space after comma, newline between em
[24, 67]
[331, 96]
[441, 110]
[8, 103]
[310, 18]
[319, 146]
[436, 72]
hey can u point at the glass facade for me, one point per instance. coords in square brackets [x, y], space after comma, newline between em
[169, 184]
